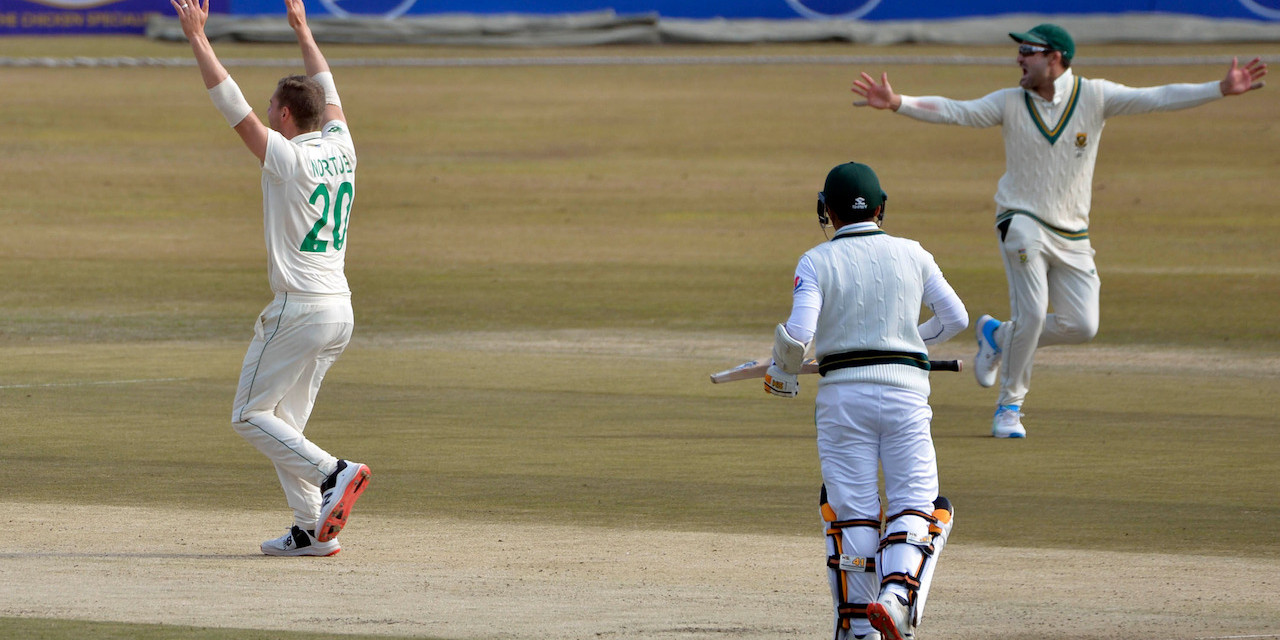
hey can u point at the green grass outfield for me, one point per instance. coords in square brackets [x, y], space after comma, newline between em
[660, 208]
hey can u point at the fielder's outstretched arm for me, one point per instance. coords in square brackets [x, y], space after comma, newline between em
[1243, 79]
[226, 95]
[313, 60]
[878, 96]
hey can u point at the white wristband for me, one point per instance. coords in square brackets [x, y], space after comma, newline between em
[230, 101]
[325, 79]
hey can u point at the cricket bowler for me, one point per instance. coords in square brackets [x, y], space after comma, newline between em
[308, 187]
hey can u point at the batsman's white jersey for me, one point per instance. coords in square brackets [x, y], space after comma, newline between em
[1043, 202]
[308, 186]
[859, 297]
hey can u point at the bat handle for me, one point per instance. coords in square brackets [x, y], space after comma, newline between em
[946, 365]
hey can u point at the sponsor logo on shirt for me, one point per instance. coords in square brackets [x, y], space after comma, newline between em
[798, 282]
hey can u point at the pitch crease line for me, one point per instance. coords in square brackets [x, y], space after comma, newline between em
[92, 383]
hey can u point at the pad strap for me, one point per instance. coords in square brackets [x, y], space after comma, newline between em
[929, 517]
[902, 537]
[911, 582]
[849, 611]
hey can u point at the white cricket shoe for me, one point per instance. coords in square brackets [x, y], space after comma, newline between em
[871, 635]
[299, 542]
[889, 615]
[339, 493]
[987, 362]
[1007, 422]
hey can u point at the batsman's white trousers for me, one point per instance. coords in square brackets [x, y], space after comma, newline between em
[863, 427]
[295, 341]
[1043, 269]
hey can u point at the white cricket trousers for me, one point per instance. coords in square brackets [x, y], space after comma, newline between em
[295, 341]
[863, 427]
[1043, 269]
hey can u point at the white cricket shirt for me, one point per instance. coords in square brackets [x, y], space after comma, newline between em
[308, 186]
[1051, 146]
[863, 290]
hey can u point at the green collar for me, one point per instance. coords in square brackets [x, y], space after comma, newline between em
[1053, 134]
[858, 234]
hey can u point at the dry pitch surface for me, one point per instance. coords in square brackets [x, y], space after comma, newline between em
[486, 576]
[487, 579]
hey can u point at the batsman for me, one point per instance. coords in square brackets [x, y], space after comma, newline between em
[857, 300]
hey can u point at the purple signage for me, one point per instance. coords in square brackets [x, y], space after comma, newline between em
[49, 17]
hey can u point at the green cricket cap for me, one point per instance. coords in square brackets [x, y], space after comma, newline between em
[1049, 35]
[853, 191]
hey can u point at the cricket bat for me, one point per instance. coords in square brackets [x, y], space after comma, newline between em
[757, 369]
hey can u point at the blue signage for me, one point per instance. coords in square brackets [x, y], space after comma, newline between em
[130, 16]
[777, 9]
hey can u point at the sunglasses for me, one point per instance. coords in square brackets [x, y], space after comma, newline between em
[1031, 49]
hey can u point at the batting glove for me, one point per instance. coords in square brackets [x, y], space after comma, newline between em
[781, 383]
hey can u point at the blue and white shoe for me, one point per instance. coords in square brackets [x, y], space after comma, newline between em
[1007, 422]
[987, 362]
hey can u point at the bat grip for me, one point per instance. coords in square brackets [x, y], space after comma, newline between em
[946, 365]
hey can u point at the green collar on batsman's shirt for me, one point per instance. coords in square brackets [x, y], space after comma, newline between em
[858, 230]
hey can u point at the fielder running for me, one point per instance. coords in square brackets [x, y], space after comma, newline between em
[857, 298]
[308, 177]
[1052, 124]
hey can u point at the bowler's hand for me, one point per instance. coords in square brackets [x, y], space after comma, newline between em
[1239, 80]
[192, 15]
[297, 14]
[878, 96]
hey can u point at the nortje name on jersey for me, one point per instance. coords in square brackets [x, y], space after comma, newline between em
[331, 166]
